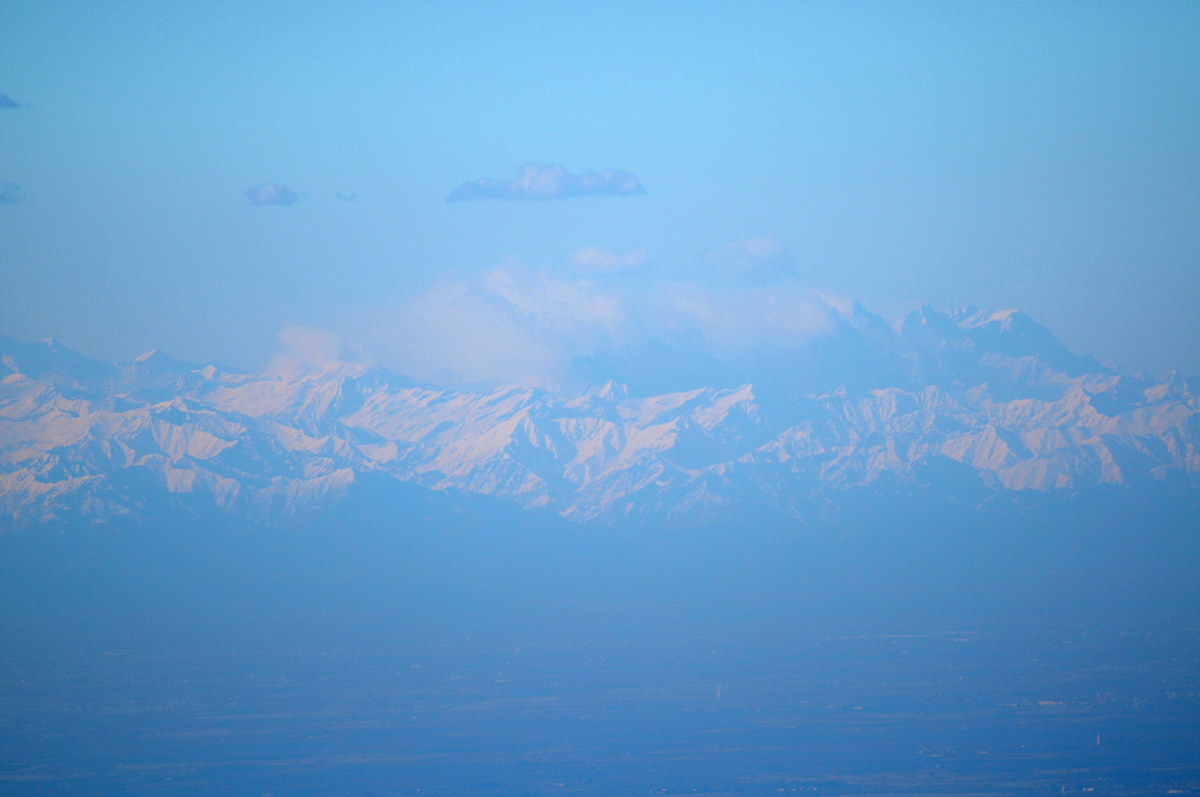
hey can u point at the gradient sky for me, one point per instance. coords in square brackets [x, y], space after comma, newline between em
[1044, 156]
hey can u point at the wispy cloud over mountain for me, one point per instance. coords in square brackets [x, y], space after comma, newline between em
[536, 181]
[759, 258]
[12, 194]
[597, 260]
[510, 325]
[271, 194]
[305, 348]
[519, 325]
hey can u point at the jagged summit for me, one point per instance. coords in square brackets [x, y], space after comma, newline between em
[968, 405]
[969, 316]
[157, 361]
[970, 332]
[49, 359]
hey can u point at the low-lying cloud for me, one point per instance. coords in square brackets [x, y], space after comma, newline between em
[271, 194]
[760, 259]
[307, 349]
[597, 260]
[538, 181]
[518, 325]
[509, 325]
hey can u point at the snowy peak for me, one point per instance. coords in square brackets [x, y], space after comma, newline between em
[1014, 334]
[926, 320]
[971, 317]
[867, 324]
[48, 359]
[1005, 348]
[967, 405]
[156, 361]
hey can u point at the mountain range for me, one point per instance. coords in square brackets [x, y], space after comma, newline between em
[969, 407]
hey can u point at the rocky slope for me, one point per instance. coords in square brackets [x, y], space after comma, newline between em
[968, 405]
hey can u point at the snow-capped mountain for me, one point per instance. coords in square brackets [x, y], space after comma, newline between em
[966, 405]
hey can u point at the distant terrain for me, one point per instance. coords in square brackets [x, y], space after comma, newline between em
[969, 409]
[946, 558]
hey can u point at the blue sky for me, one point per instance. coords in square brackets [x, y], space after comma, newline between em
[1041, 156]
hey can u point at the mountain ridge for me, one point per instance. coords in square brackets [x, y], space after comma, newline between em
[969, 406]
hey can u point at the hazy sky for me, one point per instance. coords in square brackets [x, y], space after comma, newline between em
[202, 176]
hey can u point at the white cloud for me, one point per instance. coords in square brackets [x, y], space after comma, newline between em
[540, 181]
[459, 334]
[595, 260]
[271, 194]
[306, 348]
[513, 324]
[559, 306]
[734, 322]
[510, 325]
[761, 258]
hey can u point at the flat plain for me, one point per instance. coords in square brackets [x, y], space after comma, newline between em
[303, 701]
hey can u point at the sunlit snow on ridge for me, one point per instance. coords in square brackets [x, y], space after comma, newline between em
[969, 404]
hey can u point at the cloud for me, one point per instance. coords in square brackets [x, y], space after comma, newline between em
[306, 348]
[549, 181]
[733, 323]
[575, 308]
[516, 325]
[12, 194]
[271, 194]
[509, 325]
[457, 334]
[8, 102]
[595, 260]
[756, 259]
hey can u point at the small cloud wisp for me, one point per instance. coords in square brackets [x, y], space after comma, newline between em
[271, 194]
[516, 325]
[760, 259]
[597, 260]
[538, 181]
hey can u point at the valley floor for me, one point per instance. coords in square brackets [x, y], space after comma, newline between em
[114, 685]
